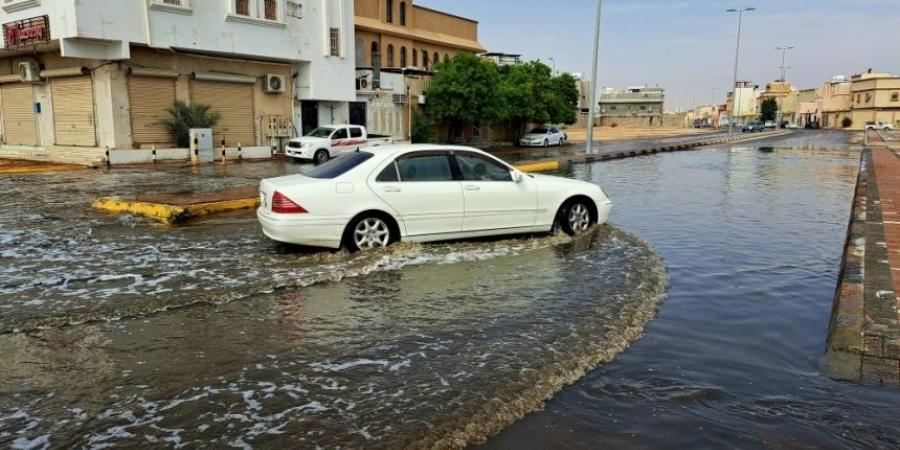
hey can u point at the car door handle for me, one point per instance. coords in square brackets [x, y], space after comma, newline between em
[472, 188]
[391, 189]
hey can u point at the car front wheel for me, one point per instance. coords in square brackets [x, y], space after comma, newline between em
[321, 157]
[575, 217]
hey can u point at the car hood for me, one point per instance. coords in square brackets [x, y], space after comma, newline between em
[311, 140]
[534, 136]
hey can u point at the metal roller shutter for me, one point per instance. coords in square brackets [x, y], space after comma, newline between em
[234, 103]
[19, 123]
[150, 98]
[73, 111]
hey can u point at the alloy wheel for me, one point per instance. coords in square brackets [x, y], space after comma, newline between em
[371, 233]
[579, 218]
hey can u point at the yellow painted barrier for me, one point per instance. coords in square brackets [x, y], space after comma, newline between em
[548, 166]
[171, 214]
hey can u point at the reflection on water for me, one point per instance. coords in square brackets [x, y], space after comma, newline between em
[753, 242]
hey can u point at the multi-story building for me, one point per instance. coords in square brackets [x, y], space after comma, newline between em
[807, 107]
[875, 97]
[78, 77]
[502, 59]
[397, 45]
[787, 97]
[637, 106]
[744, 96]
[834, 102]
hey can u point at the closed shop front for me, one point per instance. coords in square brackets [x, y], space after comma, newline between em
[73, 111]
[150, 98]
[19, 122]
[233, 101]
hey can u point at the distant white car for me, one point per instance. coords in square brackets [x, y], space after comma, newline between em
[791, 126]
[422, 193]
[326, 142]
[543, 137]
[880, 126]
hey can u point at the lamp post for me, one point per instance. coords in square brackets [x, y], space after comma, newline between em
[593, 109]
[784, 67]
[554, 65]
[737, 56]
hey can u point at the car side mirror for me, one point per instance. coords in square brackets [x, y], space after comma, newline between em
[517, 176]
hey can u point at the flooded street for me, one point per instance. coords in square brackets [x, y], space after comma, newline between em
[119, 332]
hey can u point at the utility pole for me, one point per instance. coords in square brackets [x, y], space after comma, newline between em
[593, 109]
[737, 56]
[554, 65]
[780, 115]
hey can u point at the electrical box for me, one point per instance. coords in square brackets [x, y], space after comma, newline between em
[202, 145]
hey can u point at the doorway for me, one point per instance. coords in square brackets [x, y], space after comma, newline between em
[309, 116]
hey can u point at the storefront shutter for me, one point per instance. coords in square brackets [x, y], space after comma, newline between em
[150, 99]
[19, 123]
[73, 111]
[234, 103]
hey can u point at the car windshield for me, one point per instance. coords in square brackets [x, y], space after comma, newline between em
[321, 132]
[339, 166]
[539, 131]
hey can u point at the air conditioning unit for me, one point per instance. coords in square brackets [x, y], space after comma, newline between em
[399, 98]
[364, 82]
[275, 84]
[29, 71]
[421, 99]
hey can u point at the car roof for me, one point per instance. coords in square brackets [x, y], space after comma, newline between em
[393, 151]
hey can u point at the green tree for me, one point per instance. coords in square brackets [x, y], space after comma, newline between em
[185, 117]
[768, 110]
[422, 129]
[846, 122]
[464, 91]
[530, 94]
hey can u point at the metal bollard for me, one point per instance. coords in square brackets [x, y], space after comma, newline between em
[108, 163]
[153, 152]
[240, 155]
[224, 155]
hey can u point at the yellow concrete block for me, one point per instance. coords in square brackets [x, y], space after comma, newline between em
[172, 214]
[39, 169]
[547, 166]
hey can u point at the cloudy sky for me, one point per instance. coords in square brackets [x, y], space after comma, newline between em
[687, 46]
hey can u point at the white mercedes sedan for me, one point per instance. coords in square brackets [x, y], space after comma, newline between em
[422, 193]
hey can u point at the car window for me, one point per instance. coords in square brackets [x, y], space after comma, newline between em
[425, 168]
[356, 132]
[554, 130]
[340, 134]
[321, 132]
[338, 166]
[388, 175]
[478, 168]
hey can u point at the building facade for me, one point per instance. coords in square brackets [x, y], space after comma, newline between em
[834, 103]
[80, 77]
[743, 100]
[397, 45]
[637, 106]
[875, 97]
[785, 95]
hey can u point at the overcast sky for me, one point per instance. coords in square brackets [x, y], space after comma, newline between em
[687, 46]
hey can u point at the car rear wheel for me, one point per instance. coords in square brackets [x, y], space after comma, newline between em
[575, 217]
[369, 232]
[321, 157]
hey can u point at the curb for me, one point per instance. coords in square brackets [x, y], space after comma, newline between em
[172, 214]
[41, 169]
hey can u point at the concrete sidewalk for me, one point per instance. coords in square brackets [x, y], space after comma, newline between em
[21, 166]
[864, 335]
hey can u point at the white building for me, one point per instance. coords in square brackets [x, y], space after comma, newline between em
[78, 77]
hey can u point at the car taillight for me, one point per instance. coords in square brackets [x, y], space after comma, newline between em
[283, 205]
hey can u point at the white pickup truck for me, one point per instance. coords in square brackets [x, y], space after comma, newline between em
[880, 126]
[326, 142]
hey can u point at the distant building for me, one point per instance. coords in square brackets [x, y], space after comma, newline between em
[875, 98]
[786, 96]
[397, 45]
[502, 59]
[834, 102]
[746, 109]
[637, 106]
[807, 107]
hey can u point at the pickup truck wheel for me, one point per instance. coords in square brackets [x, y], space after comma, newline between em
[321, 157]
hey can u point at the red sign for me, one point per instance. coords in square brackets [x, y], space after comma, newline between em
[26, 32]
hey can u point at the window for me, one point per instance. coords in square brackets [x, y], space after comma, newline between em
[375, 56]
[242, 7]
[425, 58]
[478, 168]
[390, 11]
[402, 56]
[360, 52]
[437, 58]
[446, 58]
[335, 36]
[339, 134]
[389, 174]
[433, 167]
[270, 9]
[339, 166]
[415, 54]
[402, 14]
[390, 55]
[356, 132]
[895, 97]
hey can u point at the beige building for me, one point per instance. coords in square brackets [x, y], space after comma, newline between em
[746, 109]
[875, 97]
[397, 45]
[834, 102]
[786, 96]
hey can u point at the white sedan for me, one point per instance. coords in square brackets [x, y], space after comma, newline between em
[422, 193]
[543, 137]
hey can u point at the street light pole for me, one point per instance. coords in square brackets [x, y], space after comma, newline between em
[737, 56]
[554, 65]
[593, 109]
[780, 115]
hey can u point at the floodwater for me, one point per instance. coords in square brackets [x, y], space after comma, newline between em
[119, 332]
[752, 237]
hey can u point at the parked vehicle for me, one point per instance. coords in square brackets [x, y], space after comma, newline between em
[326, 142]
[880, 126]
[752, 127]
[422, 193]
[770, 124]
[543, 137]
[790, 126]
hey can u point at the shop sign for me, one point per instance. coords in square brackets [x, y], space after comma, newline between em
[26, 32]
